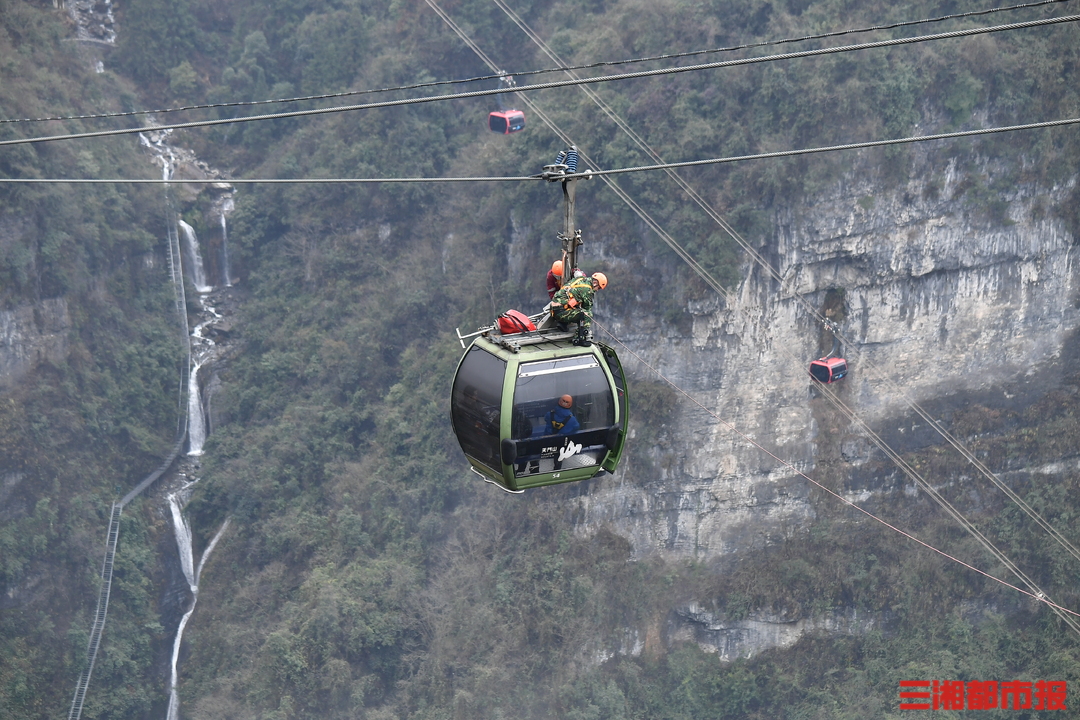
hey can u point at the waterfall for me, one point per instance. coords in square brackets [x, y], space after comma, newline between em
[184, 251]
[195, 263]
[183, 535]
[174, 698]
[187, 562]
[154, 141]
[202, 351]
[196, 422]
[94, 20]
[226, 208]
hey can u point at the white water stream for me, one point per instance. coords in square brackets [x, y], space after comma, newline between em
[196, 419]
[192, 574]
[226, 208]
[94, 20]
[204, 351]
[196, 269]
[95, 24]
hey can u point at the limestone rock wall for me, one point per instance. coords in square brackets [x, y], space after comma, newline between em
[940, 295]
[30, 334]
[744, 638]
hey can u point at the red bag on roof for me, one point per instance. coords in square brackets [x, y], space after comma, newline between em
[514, 321]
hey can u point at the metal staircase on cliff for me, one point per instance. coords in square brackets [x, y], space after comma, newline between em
[99, 614]
[107, 572]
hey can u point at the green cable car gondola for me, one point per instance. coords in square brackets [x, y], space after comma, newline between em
[511, 413]
[528, 405]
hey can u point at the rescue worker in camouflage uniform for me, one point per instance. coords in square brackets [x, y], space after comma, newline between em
[573, 303]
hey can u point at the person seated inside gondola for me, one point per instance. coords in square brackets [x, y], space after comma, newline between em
[561, 420]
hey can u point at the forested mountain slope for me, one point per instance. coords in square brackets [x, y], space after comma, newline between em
[366, 574]
[92, 353]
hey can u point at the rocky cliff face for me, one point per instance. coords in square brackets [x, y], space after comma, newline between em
[937, 294]
[30, 334]
[745, 637]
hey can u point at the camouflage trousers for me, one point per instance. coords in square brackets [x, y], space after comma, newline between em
[574, 315]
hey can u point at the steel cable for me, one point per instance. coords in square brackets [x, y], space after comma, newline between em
[557, 84]
[591, 172]
[522, 73]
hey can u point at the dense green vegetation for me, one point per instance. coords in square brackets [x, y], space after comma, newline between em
[365, 574]
[78, 432]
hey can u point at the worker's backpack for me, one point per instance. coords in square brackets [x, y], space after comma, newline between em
[514, 321]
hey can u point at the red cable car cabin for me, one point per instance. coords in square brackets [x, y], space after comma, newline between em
[505, 122]
[828, 369]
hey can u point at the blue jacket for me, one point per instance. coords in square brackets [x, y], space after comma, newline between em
[562, 422]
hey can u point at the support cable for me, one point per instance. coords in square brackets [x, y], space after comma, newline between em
[804, 38]
[526, 73]
[591, 172]
[557, 84]
[694, 195]
[267, 181]
[835, 148]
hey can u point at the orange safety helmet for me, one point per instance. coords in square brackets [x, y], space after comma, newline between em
[557, 268]
[600, 278]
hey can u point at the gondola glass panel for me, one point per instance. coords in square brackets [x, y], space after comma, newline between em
[615, 368]
[559, 437]
[475, 404]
